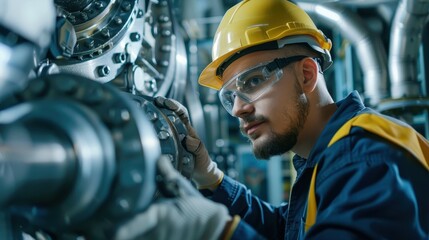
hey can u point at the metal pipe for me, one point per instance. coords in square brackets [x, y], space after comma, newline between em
[36, 164]
[369, 47]
[361, 3]
[59, 170]
[405, 39]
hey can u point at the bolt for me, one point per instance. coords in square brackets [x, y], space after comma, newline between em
[166, 48]
[84, 16]
[140, 13]
[118, 20]
[119, 57]
[153, 116]
[136, 176]
[163, 63]
[125, 115]
[126, 6]
[151, 85]
[89, 42]
[186, 160]
[103, 70]
[118, 116]
[99, 5]
[124, 204]
[72, 18]
[166, 33]
[163, 135]
[163, 18]
[105, 32]
[135, 36]
[172, 118]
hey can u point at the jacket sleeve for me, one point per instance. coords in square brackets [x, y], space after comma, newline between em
[265, 218]
[245, 231]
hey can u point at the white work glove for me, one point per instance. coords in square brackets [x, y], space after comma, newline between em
[206, 173]
[190, 218]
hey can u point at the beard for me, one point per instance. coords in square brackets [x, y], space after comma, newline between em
[279, 143]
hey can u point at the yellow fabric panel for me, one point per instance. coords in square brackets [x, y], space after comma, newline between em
[401, 135]
[312, 206]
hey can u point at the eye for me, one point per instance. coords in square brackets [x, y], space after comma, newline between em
[251, 83]
[255, 81]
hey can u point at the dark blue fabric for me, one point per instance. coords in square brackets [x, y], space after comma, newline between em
[366, 188]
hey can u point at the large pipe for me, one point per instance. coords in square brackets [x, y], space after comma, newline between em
[62, 163]
[360, 3]
[405, 39]
[37, 165]
[369, 47]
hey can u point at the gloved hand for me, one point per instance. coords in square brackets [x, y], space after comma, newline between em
[206, 173]
[190, 218]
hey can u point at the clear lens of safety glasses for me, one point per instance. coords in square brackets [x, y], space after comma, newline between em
[254, 82]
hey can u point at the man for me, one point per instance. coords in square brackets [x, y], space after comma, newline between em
[360, 175]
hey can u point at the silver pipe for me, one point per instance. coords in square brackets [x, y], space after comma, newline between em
[369, 47]
[37, 164]
[360, 3]
[405, 40]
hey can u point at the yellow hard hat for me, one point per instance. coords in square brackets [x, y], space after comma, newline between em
[264, 25]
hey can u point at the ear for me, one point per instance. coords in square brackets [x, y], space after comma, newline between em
[309, 71]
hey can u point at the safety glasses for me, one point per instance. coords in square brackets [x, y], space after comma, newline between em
[252, 83]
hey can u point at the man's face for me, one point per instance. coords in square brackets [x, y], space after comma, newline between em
[273, 122]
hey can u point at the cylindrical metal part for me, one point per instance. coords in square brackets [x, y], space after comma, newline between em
[37, 164]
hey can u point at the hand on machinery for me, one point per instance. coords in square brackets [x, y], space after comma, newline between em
[187, 216]
[191, 217]
[206, 173]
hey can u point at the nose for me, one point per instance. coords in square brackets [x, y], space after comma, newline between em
[241, 107]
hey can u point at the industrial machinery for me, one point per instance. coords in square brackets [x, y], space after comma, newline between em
[80, 136]
[83, 147]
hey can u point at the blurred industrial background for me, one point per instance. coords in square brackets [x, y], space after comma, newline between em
[87, 82]
[380, 48]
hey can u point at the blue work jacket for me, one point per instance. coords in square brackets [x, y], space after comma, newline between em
[366, 188]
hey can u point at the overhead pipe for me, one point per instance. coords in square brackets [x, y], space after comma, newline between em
[369, 47]
[359, 3]
[405, 39]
